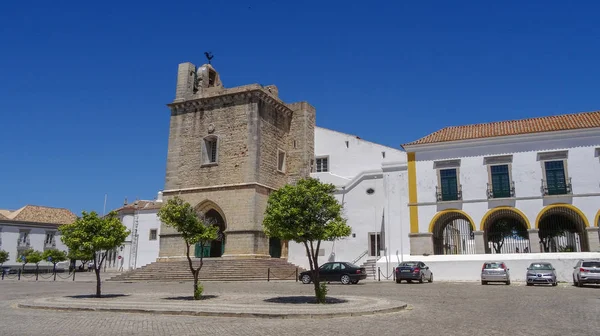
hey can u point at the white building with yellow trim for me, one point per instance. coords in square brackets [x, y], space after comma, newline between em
[518, 191]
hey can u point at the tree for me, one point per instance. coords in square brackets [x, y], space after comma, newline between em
[33, 257]
[80, 255]
[505, 228]
[92, 235]
[194, 228]
[306, 213]
[54, 256]
[3, 257]
[23, 257]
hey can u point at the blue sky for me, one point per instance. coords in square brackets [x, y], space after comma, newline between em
[83, 86]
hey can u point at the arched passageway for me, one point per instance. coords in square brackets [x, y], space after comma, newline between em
[562, 229]
[453, 234]
[505, 231]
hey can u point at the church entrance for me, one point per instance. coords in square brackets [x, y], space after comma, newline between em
[216, 248]
[275, 247]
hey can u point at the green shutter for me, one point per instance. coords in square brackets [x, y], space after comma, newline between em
[500, 181]
[555, 178]
[449, 184]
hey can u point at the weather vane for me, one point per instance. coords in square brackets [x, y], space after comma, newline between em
[208, 55]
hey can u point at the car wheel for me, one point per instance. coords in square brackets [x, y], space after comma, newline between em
[354, 282]
[555, 284]
[579, 283]
[345, 279]
[306, 279]
[398, 281]
[529, 284]
[431, 278]
[422, 278]
[508, 282]
[574, 281]
[483, 282]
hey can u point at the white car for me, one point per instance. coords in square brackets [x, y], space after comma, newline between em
[586, 271]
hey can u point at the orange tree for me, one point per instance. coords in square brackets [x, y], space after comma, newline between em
[306, 213]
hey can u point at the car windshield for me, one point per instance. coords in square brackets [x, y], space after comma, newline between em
[593, 264]
[541, 267]
[493, 265]
[409, 264]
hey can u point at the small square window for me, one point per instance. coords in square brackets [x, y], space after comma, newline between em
[153, 234]
[281, 161]
[322, 164]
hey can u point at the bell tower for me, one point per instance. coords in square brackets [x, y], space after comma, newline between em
[229, 148]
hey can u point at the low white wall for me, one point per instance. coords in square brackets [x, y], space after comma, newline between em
[468, 267]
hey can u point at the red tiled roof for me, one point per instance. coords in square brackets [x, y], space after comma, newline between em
[513, 127]
[40, 214]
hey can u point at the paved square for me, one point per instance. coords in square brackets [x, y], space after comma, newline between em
[436, 309]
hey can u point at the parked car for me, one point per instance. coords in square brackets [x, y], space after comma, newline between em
[345, 272]
[541, 273]
[586, 271]
[495, 271]
[413, 270]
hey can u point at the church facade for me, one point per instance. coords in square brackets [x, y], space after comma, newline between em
[228, 149]
[448, 199]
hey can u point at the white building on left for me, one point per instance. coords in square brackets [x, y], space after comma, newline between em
[142, 245]
[32, 227]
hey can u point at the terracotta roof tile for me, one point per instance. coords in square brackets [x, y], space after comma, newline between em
[40, 214]
[141, 205]
[513, 127]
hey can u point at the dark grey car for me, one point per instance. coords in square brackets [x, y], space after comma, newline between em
[413, 270]
[541, 273]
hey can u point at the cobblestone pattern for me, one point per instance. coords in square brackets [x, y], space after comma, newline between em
[437, 309]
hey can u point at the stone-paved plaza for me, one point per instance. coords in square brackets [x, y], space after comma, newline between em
[438, 308]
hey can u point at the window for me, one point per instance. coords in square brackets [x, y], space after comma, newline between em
[210, 150]
[23, 238]
[49, 241]
[153, 234]
[500, 178]
[281, 161]
[556, 182]
[322, 164]
[449, 185]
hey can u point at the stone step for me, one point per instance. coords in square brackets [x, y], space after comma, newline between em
[214, 269]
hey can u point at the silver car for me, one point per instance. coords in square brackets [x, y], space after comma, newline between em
[586, 271]
[541, 273]
[495, 271]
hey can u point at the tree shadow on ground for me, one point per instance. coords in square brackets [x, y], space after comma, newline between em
[190, 298]
[302, 300]
[93, 296]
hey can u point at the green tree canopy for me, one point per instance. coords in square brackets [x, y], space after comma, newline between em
[54, 256]
[307, 213]
[92, 235]
[3, 257]
[33, 257]
[194, 228]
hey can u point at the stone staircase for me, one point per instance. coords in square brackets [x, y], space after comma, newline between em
[371, 266]
[214, 269]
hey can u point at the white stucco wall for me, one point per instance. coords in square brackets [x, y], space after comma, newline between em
[349, 161]
[583, 166]
[10, 236]
[147, 250]
[354, 168]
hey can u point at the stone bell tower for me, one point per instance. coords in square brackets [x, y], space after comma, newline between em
[228, 149]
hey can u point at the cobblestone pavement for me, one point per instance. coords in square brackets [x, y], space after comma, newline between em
[436, 309]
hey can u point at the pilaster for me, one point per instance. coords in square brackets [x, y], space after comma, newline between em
[534, 241]
[593, 239]
[479, 242]
[421, 243]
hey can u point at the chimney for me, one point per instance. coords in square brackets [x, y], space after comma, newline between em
[159, 197]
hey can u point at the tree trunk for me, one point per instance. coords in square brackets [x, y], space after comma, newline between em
[97, 271]
[195, 272]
